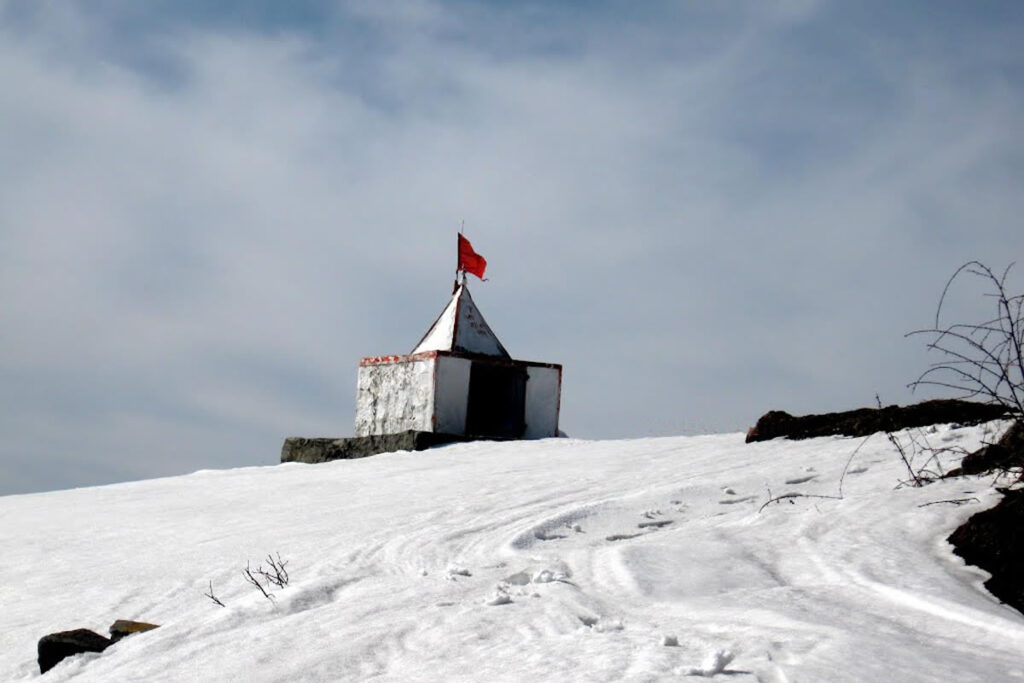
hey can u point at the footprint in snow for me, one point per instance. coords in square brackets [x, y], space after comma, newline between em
[802, 480]
[600, 624]
[645, 527]
[551, 575]
[857, 470]
[733, 501]
[654, 524]
[454, 572]
[547, 575]
[712, 665]
[499, 597]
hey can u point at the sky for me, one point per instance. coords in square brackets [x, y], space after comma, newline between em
[210, 211]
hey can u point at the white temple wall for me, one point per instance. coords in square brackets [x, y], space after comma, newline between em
[451, 390]
[394, 397]
[543, 389]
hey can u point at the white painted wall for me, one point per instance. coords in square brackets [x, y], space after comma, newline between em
[431, 394]
[542, 393]
[450, 394]
[394, 397]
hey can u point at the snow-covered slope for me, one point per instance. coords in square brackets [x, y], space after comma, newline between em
[556, 560]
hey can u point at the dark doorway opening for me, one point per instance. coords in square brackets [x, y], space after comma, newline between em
[497, 401]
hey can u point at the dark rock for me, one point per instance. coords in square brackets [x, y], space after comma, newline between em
[992, 541]
[301, 449]
[56, 646]
[864, 421]
[125, 627]
[1005, 454]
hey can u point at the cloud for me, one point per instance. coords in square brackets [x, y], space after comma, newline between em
[703, 212]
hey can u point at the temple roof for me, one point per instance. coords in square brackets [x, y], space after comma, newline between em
[461, 328]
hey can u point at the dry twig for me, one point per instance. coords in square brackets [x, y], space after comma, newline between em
[951, 501]
[247, 573]
[213, 597]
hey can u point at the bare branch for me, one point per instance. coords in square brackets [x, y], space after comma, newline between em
[951, 501]
[277, 574]
[980, 360]
[791, 496]
[213, 597]
[842, 477]
[247, 573]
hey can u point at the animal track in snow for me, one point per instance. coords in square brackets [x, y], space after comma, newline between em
[802, 480]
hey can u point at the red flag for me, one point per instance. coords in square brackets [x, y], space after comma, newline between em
[469, 260]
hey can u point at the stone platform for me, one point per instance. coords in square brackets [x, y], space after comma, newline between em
[314, 450]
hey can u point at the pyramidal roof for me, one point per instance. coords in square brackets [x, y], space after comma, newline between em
[461, 328]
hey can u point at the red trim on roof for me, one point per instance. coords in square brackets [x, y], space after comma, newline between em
[426, 355]
[401, 358]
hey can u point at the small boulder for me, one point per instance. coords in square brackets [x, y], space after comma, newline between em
[53, 648]
[125, 627]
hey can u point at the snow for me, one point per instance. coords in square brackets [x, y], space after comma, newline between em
[554, 560]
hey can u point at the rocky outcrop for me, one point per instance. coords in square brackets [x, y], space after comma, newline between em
[54, 647]
[864, 421]
[992, 540]
[314, 450]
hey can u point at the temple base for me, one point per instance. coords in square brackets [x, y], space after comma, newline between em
[314, 450]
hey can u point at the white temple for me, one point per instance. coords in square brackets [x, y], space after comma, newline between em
[459, 380]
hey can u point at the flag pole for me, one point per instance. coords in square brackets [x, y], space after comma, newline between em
[458, 261]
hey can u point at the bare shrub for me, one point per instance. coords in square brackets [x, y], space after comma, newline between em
[276, 575]
[980, 360]
[262, 579]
